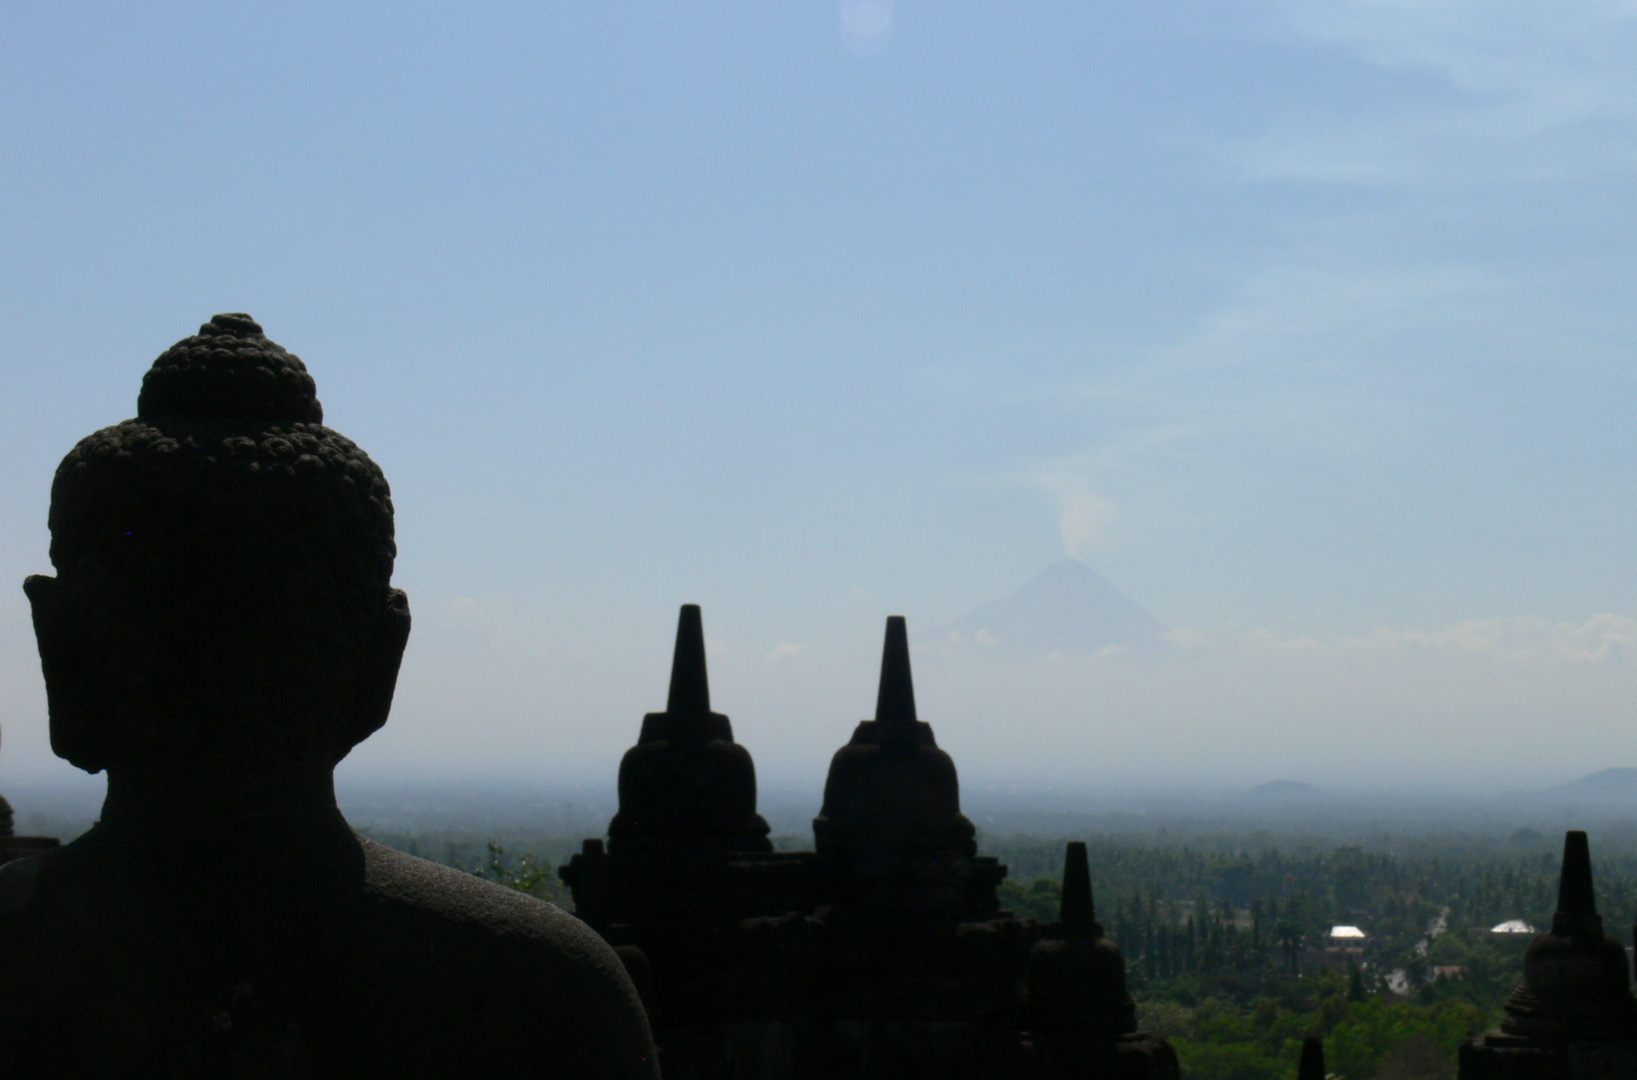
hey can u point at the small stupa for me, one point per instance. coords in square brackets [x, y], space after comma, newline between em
[1574, 1015]
[680, 845]
[1080, 1018]
[1077, 976]
[890, 788]
[686, 785]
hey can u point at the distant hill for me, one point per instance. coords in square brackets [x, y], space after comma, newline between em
[1284, 791]
[1069, 608]
[1618, 783]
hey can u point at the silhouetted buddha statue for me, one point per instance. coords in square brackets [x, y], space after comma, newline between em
[221, 632]
[687, 785]
[891, 789]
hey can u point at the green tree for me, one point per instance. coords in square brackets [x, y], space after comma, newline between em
[531, 874]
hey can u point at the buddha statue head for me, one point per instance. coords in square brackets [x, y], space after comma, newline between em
[221, 632]
[1076, 975]
[222, 603]
[1576, 978]
[687, 785]
[891, 789]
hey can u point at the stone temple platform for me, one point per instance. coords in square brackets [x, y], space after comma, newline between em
[883, 953]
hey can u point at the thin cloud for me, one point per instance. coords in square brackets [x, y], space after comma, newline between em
[1306, 357]
[866, 25]
[1603, 638]
[784, 650]
[1529, 94]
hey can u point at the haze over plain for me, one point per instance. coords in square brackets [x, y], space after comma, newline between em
[1307, 325]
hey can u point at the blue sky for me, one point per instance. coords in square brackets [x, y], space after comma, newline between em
[1308, 324]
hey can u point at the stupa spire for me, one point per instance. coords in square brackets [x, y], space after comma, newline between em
[895, 699]
[1576, 901]
[1312, 1064]
[1075, 909]
[690, 689]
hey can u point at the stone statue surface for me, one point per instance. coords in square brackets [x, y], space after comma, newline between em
[220, 633]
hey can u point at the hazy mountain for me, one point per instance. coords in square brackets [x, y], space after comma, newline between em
[1068, 609]
[1285, 791]
[1619, 783]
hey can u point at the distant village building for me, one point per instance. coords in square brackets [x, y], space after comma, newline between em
[1513, 926]
[1343, 949]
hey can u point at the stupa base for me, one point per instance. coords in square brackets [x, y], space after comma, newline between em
[1497, 1056]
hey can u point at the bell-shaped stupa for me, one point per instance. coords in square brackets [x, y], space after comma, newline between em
[1077, 976]
[687, 785]
[890, 788]
[1576, 978]
[1574, 1015]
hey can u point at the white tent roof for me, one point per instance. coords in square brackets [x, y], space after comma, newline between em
[1512, 926]
[1347, 932]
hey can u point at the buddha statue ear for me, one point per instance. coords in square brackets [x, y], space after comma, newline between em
[376, 674]
[72, 687]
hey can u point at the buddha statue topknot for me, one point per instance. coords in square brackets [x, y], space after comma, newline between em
[222, 630]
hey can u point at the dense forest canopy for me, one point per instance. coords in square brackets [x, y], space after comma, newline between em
[1226, 947]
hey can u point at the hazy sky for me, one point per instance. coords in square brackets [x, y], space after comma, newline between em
[1308, 324]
